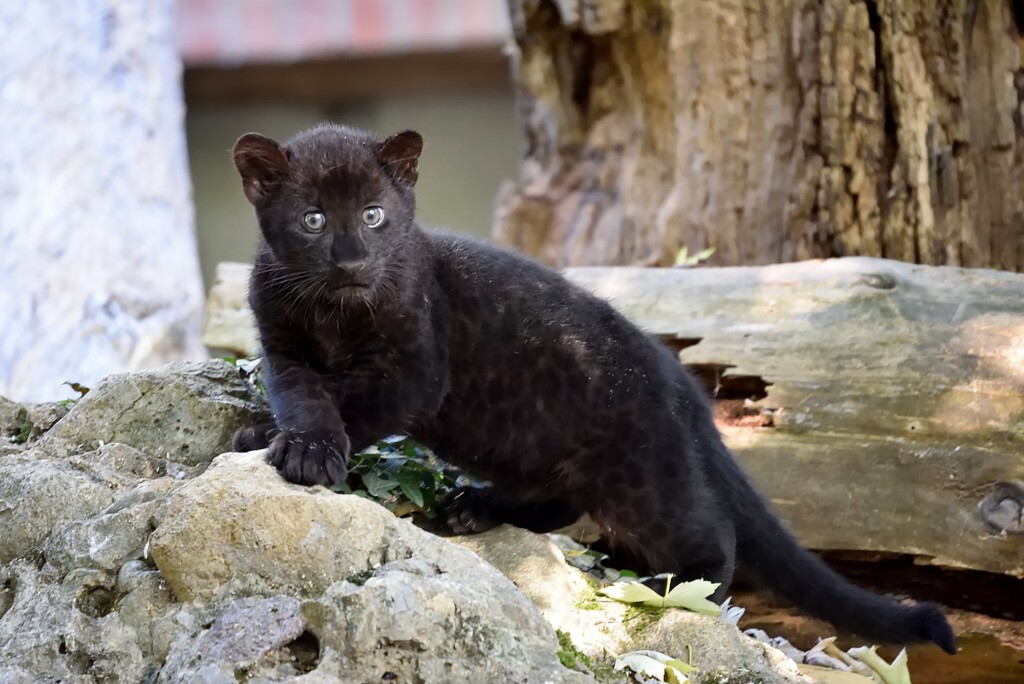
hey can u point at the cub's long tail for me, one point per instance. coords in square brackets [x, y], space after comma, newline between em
[771, 553]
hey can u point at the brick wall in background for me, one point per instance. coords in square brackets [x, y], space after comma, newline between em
[225, 32]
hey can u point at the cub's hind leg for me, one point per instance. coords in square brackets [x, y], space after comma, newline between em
[669, 525]
[478, 509]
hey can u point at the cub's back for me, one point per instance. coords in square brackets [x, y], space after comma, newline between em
[529, 348]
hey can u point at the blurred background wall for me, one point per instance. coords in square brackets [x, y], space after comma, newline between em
[278, 66]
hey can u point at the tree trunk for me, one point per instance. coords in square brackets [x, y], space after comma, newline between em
[97, 255]
[771, 131]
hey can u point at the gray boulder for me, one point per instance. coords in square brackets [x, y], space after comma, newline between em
[413, 604]
[184, 412]
[65, 631]
[38, 494]
[598, 626]
[115, 536]
[127, 555]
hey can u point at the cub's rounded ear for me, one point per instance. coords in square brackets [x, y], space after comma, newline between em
[399, 156]
[260, 162]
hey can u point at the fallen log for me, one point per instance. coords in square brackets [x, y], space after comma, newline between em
[879, 405]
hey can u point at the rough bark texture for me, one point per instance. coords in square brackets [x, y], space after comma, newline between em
[897, 390]
[771, 131]
[97, 254]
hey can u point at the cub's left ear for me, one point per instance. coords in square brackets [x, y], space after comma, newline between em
[399, 155]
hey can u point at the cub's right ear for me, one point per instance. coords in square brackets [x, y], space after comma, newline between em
[261, 162]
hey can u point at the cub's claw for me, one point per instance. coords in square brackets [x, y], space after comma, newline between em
[253, 438]
[310, 458]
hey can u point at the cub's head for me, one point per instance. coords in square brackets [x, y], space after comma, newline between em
[335, 205]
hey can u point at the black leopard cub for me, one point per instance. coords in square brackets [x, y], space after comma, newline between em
[372, 326]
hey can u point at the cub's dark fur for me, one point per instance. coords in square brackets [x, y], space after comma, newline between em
[372, 326]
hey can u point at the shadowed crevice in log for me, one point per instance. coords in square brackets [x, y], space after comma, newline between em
[732, 394]
[722, 386]
[678, 344]
[1017, 10]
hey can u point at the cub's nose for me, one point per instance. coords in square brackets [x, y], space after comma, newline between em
[350, 265]
[348, 252]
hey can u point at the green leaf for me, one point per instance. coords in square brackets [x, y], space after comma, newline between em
[377, 486]
[410, 483]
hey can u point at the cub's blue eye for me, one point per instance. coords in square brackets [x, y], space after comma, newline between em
[314, 221]
[373, 216]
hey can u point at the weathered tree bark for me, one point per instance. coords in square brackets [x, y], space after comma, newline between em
[771, 131]
[97, 255]
[879, 405]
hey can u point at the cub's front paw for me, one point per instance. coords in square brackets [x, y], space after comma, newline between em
[310, 458]
[470, 509]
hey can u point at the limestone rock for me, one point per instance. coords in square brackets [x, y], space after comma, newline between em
[239, 523]
[45, 416]
[240, 528]
[38, 494]
[112, 538]
[249, 635]
[600, 626]
[59, 632]
[423, 623]
[414, 604]
[185, 412]
[157, 571]
[538, 568]
[119, 462]
[145, 603]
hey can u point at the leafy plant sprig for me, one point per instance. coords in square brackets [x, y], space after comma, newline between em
[400, 474]
[689, 595]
